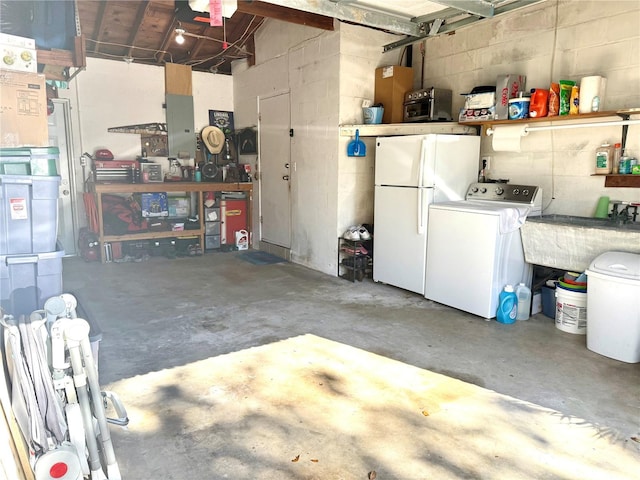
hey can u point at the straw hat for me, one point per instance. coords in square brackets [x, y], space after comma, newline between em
[213, 139]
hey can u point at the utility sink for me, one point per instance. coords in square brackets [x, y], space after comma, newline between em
[571, 220]
[571, 243]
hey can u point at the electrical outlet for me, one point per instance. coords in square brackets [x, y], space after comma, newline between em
[486, 162]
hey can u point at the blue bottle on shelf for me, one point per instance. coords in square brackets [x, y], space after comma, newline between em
[507, 305]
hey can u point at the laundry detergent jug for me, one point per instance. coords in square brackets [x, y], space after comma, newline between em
[539, 103]
[507, 305]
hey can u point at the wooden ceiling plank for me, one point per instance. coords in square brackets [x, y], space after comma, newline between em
[99, 26]
[201, 42]
[290, 15]
[143, 9]
[168, 38]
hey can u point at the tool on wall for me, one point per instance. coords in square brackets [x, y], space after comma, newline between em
[356, 148]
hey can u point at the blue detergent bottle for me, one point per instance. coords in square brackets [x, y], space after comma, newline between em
[507, 305]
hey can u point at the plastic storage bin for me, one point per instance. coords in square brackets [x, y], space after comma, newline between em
[27, 281]
[28, 214]
[549, 301]
[613, 305]
[38, 161]
[211, 242]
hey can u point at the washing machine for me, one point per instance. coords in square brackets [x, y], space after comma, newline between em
[474, 247]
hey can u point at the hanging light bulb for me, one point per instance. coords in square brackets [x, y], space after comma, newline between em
[180, 36]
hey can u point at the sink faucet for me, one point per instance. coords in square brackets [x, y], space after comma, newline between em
[631, 211]
[628, 214]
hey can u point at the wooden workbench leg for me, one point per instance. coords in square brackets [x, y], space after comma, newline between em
[100, 225]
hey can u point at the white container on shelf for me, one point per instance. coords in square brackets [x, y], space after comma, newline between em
[604, 159]
[613, 303]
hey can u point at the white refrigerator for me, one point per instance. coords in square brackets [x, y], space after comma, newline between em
[412, 172]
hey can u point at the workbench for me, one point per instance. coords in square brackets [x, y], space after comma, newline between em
[187, 187]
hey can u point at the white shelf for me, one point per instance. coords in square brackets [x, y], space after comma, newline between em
[389, 129]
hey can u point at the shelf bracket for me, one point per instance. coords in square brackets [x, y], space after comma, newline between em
[625, 128]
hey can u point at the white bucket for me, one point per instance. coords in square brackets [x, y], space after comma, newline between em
[571, 311]
[242, 240]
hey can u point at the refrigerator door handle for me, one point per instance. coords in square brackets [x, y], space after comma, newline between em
[421, 226]
[423, 154]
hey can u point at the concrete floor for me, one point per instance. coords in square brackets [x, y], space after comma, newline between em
[163, 313]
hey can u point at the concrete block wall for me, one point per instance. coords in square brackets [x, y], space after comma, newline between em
[303, 62]
[557, 39]
[327, 75]
[360, 55]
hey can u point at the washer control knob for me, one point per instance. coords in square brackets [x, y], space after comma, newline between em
[474, 190]
[516, 191]
[499, 191]
[483, 190]
[525, 192]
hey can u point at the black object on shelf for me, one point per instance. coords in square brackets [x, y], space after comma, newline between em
[355, 261]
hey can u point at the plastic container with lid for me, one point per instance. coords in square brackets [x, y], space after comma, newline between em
[625, 162]
[617, 153]
[604, 159]
[519, 108]
[613, 303]
[571, 310]
[39, 161]
[539, 103]
[507, 305]
[523, 293]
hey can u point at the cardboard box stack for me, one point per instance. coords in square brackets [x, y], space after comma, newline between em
[23, 95]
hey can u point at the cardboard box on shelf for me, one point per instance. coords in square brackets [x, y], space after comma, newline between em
[391, 84]
[477, 114]
[18, 53]
[179, 206]
[23, 110]
[507, 86]
[154, 205]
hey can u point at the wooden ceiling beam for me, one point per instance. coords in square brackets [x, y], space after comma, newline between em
[200, 43]
[262, 9]
[100, 26]
[143, 9]
[169, 37]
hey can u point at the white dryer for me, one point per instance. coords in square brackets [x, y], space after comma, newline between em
[474, 247]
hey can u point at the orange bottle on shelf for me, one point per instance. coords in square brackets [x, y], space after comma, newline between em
[539, 103]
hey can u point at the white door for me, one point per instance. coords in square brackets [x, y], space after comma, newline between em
[400, 246]
[60, 136]
[274, 170]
